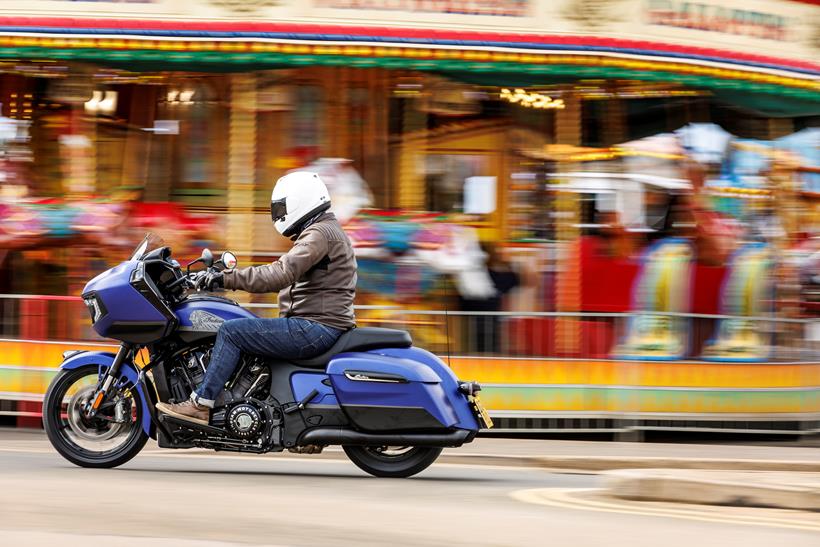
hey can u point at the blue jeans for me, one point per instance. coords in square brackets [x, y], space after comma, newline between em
[284, 337]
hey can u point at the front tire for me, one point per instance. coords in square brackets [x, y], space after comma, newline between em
[82, 441]
[381, 461]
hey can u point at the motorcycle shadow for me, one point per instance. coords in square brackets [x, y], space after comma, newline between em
[353, 475]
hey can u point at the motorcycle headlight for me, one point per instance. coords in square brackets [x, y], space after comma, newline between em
[95, 307]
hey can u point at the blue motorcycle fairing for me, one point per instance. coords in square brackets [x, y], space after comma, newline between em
[208, 313]
[123, 303]
[128, 371]
[449, 382]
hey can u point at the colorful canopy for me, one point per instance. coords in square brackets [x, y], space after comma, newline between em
[777, 86]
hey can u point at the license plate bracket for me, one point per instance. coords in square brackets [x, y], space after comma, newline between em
[485, 422]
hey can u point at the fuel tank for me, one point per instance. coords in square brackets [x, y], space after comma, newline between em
[201, 315]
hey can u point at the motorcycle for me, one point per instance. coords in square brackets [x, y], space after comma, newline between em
[392, 406]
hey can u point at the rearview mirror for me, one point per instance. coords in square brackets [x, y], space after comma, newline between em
[207, 257]
[228, 260]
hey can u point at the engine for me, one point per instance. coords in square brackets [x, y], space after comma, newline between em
[188, 372]
[249, 424]
[251, 378]
[243, 419]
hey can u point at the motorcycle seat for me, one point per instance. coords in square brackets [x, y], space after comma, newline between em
[364, 339]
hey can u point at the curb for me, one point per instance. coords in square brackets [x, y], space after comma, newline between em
[664, 485]
[603, 463]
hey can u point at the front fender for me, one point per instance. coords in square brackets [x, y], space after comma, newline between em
[128, 371]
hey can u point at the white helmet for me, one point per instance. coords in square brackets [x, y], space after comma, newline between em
[296, 198]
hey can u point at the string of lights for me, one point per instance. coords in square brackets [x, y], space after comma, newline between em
[211, 52]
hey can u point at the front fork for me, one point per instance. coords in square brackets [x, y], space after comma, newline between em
[113, 373]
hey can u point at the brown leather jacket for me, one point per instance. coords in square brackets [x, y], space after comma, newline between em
[316, 279]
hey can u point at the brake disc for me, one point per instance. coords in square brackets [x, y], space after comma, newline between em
[81, 426]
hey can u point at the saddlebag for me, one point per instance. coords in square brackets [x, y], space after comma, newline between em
[381, 393]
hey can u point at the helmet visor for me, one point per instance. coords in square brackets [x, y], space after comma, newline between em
[278, 210]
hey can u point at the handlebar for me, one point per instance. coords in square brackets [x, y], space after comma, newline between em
[199, 276]
[189, 280]
[192, 278]
[178, 282]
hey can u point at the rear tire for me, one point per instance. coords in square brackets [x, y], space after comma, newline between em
[415, 460]
[53, 423]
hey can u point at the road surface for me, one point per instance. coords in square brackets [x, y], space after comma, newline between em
[198, 500]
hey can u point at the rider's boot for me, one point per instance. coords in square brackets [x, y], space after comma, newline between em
[186, 410]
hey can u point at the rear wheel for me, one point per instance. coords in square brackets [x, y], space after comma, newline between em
[392, 461]
[110, 438]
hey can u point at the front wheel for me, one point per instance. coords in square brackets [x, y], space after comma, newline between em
[110, 438]
[391, 461]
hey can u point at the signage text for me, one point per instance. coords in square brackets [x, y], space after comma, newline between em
[715, 18]
[503, 8]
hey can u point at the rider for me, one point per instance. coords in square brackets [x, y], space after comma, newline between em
[316, 281]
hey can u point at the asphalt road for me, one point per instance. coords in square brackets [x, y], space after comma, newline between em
[192, 500]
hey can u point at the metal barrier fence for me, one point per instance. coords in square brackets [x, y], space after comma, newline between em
[542, 371]
[507, 334]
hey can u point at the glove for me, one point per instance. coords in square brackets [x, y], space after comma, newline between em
[212, 280]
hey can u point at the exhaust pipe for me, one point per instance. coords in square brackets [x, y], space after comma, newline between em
[341, 435]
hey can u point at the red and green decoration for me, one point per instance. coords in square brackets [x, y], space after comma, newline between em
[772, 85]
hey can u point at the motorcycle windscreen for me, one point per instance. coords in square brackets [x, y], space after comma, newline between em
[380, 393]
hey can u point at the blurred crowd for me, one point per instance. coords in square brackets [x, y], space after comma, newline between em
[404, 253]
